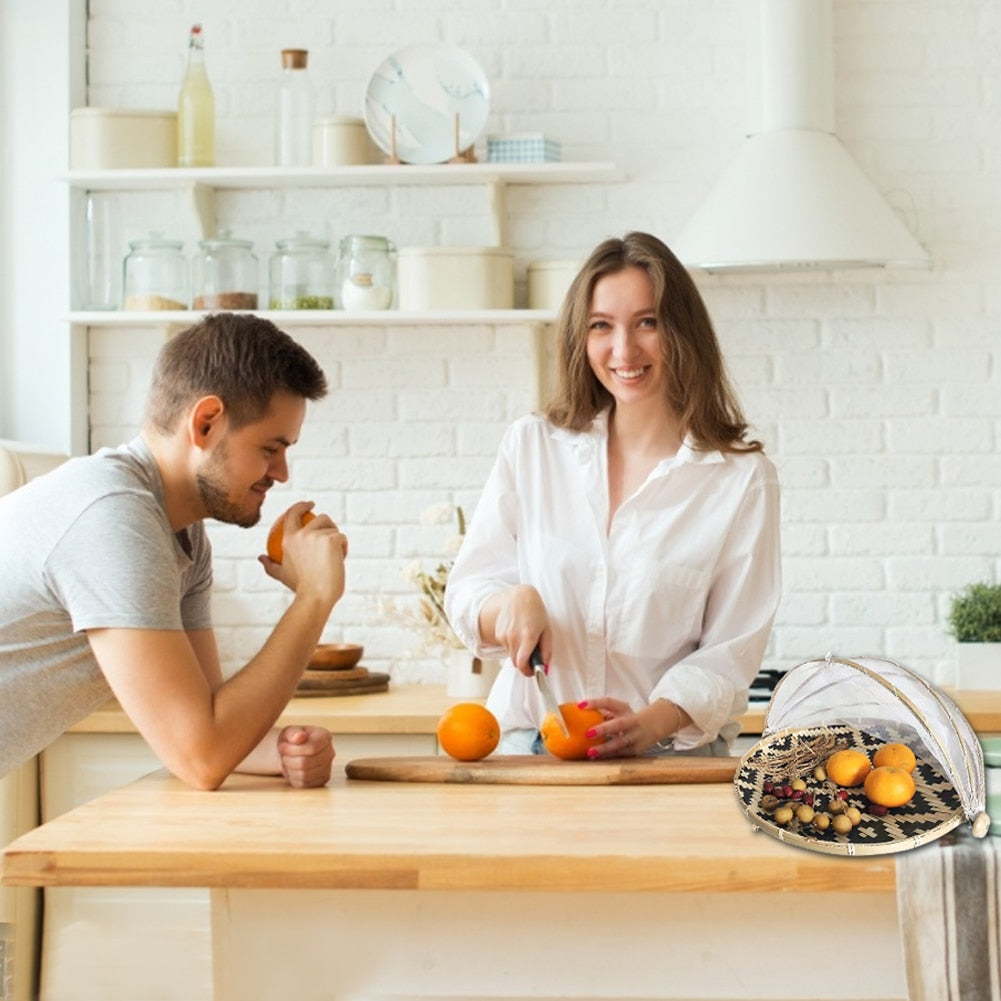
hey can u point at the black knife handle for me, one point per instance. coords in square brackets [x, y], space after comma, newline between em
[535, 658]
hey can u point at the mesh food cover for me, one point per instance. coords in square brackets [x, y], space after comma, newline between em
[865, 702]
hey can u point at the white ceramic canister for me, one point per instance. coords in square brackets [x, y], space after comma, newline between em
[455, 278]
[342, 141]
[113, 138]
[548, 282]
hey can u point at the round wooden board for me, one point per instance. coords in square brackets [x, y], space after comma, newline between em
[367, 688]
[336, 675]
[331, 683]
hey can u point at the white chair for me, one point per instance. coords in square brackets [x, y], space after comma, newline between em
[19, 810]
[20, 462]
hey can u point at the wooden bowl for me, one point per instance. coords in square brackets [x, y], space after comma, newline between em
[335, 656]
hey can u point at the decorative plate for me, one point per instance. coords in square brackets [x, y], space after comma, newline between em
[440, 99]
[934, 810]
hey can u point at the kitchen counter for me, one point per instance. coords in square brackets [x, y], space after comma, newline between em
[411, 709]
[357, 858]
[417, 708]
[384, 889]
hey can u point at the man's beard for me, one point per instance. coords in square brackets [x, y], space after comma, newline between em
[215, 497]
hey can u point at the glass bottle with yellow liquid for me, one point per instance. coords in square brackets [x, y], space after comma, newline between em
[196, 109]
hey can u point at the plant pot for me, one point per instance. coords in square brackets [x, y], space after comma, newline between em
[978, 666]
[469, 677]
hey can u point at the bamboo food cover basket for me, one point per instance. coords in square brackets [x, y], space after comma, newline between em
[865, 702]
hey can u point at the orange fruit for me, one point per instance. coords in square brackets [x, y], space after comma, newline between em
[277, 536]
[888, 785]
[468, 731]
[848, 767]
[578, 722]
[895, 755]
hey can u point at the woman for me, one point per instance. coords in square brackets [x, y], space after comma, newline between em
[632, 532]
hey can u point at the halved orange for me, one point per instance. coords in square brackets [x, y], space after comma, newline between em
[578, 722]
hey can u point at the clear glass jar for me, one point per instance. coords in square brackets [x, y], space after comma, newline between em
[301, 274]
[366, 273]
[224, 274]
[294, 111]
[156, 274]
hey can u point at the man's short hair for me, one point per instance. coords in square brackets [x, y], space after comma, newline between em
[239, 357]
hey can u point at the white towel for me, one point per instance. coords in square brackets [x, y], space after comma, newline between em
[949, 899]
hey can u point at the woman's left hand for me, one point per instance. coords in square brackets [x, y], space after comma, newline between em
[623, 731]
[627, 732]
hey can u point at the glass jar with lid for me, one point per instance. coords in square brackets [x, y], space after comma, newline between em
[301, 274]
[224, 274]
[155, 274]
[366, 273]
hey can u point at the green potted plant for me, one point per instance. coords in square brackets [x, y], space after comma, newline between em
[975, 622]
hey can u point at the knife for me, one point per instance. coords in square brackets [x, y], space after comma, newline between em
[535, 659]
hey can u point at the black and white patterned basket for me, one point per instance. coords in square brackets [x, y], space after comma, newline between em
[934, 810]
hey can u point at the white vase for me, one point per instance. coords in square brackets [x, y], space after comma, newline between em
[467, 676]
[978, 666]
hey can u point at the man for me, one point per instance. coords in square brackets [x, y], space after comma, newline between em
[106, 579]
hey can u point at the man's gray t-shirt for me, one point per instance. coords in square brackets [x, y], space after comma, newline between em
[87, 546]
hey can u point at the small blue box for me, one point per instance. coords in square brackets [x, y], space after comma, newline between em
[526, 147]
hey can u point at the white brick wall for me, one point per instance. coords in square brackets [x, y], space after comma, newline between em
[878, 393]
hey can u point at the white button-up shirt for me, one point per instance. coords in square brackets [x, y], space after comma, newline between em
[675, 599]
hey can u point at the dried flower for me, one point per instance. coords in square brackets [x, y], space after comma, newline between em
[428, 617]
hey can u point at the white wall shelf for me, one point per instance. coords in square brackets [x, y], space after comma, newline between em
[319, 317]
[152, 179]
[202, 183]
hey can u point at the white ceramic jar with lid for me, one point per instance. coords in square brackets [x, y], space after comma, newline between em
[451, 278]
[366, 273]
[112, 138]
[156, 274]
[342, 141]
[548, 282]
[224, 274]
[302, 274]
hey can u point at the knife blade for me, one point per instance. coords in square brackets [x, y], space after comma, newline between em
[535, 659]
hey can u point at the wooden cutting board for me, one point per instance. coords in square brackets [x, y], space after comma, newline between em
[531, 769]
[353, 681]
[334, 676]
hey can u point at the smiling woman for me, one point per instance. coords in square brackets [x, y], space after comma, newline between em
[653, 600]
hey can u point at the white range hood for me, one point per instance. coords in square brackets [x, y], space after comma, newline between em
[794, 197]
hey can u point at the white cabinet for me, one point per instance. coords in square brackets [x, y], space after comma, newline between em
[19, 904]
[138, 943]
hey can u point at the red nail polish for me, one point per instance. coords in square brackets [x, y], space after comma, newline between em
[591, 733]
[592, 753]
[582, 705]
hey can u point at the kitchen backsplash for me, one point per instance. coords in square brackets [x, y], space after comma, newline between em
[878, 393]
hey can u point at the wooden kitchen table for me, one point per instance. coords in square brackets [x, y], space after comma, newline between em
[368, 890]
